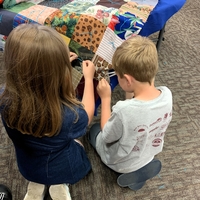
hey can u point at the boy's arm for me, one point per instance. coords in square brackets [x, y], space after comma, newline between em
[113, 129]
[104, 91]
[105, 111]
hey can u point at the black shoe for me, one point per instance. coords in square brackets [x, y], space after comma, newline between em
[141, 175]
[5, 193]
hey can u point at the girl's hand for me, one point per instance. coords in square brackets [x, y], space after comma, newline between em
[88, 69]
[104, 89]
[72, 56]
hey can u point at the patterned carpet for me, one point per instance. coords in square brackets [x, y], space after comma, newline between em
[180, 175]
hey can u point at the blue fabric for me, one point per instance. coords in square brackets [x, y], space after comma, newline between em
[6, 21]
[160, 14]
[53, 160]
[125, 23]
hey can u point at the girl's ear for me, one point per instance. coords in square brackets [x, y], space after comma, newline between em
[129, 79]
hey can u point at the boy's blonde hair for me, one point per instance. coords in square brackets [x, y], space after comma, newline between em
[38, 80]
[137, 56]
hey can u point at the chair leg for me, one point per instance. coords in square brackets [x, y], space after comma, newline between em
[160, 37]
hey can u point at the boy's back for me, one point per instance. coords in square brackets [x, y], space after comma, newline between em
[134, 134]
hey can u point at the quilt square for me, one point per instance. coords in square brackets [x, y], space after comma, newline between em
[76, 7]
[38, 13]
[108, 45]
[102, 68]
[127, 24]
[89, 32]
[20, 19]
[140, 11]
[82, 52]
[76, 77]
[111, 3]
[63, 22]
[101, 13]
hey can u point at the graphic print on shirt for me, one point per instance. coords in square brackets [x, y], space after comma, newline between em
[142, 129]
[157, 142]
[155, 131]
[159, 131]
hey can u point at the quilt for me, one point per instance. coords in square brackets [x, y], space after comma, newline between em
[93, 29]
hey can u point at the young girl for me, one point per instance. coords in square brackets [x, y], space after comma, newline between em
[40, 111]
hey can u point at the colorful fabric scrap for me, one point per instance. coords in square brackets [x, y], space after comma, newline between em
[11, 3]
[76, 77]
[20, 19]
[2, 42]
[63, 22]
[126, 25]
[140, 11]
[89, 32]
[82, 52]
[38, 13]
[88, 1]
[108, 45]
[19, 7]
[111, 3]
[76, 7]
[101, 13]
[101, 68]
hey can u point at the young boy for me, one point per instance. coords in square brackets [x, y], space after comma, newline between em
[131, 135]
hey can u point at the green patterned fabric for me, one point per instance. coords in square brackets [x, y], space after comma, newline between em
[10, 3]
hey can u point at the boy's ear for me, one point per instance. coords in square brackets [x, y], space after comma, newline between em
[129, 79]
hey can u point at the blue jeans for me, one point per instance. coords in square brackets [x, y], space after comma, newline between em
[93, 133]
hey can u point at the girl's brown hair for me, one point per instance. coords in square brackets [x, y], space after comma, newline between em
[137, 57]
[38, 80]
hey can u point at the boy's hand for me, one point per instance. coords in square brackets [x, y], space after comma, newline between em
[88, 69]
[104, 89]
[72, 56]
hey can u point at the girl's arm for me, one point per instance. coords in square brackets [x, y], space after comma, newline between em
[88, 93]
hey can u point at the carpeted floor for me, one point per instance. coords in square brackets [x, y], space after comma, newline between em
[180, 175]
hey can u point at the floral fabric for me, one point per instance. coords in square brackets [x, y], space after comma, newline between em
[126, 25]
[63, 22]
[101, 13]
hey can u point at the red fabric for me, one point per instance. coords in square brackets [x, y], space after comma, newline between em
[80, 89]
[113, 22]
